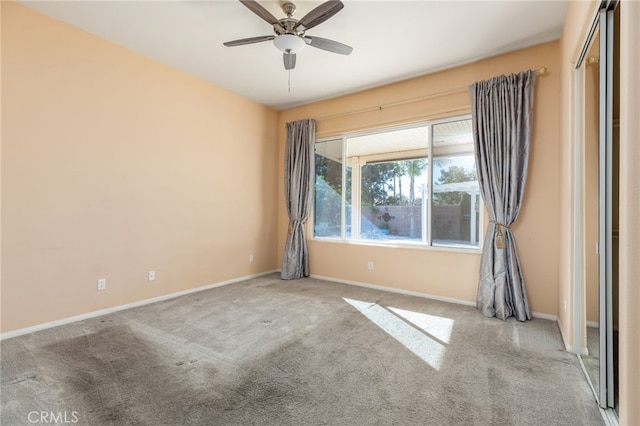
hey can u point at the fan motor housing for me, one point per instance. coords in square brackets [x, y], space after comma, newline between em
[289, 9]
[289, 25]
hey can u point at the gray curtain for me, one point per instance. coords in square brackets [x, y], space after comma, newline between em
[502, 110]
[298, 163]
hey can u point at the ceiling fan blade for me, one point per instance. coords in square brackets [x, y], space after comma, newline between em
[320, 14]
[328, 45]
[256, 8]
[249, 40]
[289, 60]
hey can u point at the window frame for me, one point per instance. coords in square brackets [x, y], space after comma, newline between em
[426, 217]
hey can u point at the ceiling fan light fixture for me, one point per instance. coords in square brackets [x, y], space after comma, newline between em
[289, 43]
[290, 37]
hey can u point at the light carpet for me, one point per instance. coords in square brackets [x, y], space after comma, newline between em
[307, 352]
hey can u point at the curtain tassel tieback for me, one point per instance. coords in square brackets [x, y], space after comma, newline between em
[499, 235]
[293, 224]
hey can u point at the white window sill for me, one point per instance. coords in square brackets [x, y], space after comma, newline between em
[401, 244]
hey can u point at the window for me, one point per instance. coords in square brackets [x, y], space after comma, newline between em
[328, 199]
[415, 185]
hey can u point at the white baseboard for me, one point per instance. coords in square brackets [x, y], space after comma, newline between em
[567, 347]
[578, 350]
[69, 320]
[542, 315]
[395, 290]
[593, 324]
[418, 294]
[101, 312]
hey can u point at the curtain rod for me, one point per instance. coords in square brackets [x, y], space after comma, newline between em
[539, 71]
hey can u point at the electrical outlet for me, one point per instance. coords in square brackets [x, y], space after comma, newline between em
[102, 284]
[152, 275]
[251, 258]
[370, 266]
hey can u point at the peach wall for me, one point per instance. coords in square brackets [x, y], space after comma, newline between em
[114, 165]
[1, 133]
[629, 267]
[440, 273]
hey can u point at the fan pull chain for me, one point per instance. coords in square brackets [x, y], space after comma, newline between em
[289, 81]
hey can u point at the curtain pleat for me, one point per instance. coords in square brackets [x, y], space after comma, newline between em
[298, 162]
[502, 109]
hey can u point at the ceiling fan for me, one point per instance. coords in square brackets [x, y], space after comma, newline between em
[290, 35]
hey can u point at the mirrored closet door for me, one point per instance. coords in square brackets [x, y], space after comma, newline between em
[597, 184]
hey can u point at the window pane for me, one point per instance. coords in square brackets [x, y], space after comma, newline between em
[393, 200]
[328, 189]
[391, 177]
[385, 182]
[456, 201]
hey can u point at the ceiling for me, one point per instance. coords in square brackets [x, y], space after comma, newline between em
[391, 40]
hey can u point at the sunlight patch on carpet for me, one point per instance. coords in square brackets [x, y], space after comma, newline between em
[438, 327]
[424, 347]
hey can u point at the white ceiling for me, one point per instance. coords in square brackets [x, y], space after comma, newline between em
[392, 40]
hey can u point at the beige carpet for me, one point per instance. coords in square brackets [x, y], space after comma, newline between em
[308, 352]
